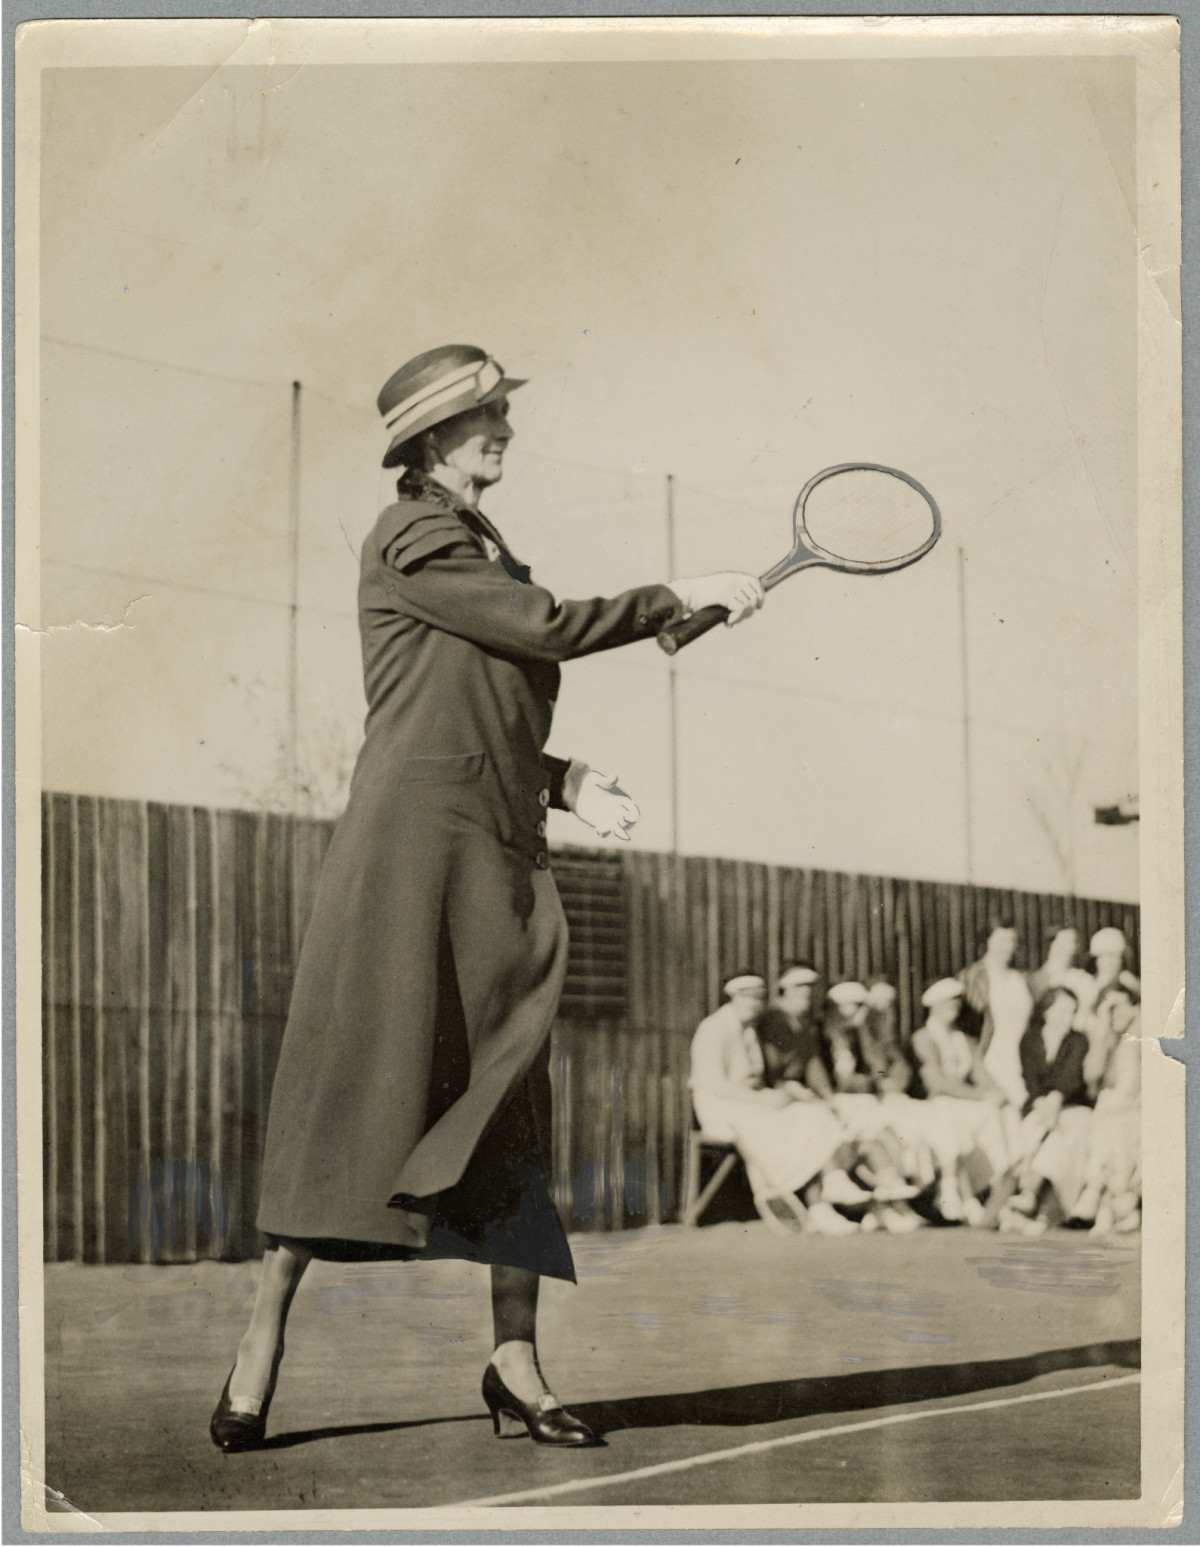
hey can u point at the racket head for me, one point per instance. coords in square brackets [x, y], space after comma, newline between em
[862, 518]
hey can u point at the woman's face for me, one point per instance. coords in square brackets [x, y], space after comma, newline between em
[1002, 945]
[1064, 945]
[1060, 1013]
[749, 1004]
[796, 998]
[945, 1012]
[474, 443]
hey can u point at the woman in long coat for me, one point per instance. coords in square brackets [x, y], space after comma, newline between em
[410, 1113]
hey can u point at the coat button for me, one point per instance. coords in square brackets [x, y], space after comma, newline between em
[542, 860]
[543, 797]
[541, 829]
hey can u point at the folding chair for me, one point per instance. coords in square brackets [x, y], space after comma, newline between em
[699, 1144]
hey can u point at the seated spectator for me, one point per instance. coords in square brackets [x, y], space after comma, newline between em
[788, 1032]
[857, 1086]
[784, 1142]
[1108, 951]
[879, 1041]
[964, 1109]
[1111, 1196]
[1056, 1120]
[791, 1046]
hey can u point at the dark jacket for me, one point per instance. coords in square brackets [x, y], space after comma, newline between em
[789, 1051]
[411, 1105]
[1064, 1073]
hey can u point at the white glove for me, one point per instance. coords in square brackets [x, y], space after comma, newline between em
[740, 594]
[596, 800]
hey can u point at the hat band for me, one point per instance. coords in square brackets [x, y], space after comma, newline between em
[481, 377]
[748, 980]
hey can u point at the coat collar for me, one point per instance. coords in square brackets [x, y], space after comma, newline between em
[414, 484]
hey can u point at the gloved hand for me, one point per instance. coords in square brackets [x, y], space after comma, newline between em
[597, 800]
[741, 594]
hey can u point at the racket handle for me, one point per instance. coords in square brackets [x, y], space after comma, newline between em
[677, 635]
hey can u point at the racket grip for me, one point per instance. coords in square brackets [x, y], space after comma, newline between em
[677, 635]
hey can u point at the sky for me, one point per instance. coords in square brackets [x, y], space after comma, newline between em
[733, 273]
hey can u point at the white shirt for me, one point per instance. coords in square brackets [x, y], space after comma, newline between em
[724, 1052]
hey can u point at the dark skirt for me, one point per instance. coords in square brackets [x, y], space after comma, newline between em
[410, 1114]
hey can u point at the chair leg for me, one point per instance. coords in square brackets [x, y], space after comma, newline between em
[691, 1177]
[692, 1214]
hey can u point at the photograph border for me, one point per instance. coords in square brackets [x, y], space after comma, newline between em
[1166, 575]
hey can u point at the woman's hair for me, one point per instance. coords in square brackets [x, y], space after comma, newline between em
[1040, 1010]
[995, 921]
[414, 453]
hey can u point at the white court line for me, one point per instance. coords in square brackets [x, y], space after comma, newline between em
[582, 1484]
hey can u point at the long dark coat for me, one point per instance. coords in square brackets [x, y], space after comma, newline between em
[411, 1106]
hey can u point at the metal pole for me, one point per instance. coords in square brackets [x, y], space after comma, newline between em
[294, 608]
[966, 709]
[672, 685]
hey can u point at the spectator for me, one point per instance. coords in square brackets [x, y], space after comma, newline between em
[1111, 1196]
[1061, 967]
[791, 1048]
[1056, 1119]
[785, 1142]
[855, 1084]
[788, 1032]
[1108, 951]
[964, 1109]
[1000, 998]
[879, 1041]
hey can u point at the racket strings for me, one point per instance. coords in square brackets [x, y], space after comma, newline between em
[863, 516]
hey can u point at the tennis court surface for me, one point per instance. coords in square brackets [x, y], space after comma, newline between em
[722, 1365]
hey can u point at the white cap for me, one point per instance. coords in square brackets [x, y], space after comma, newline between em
[939, 992]
[746, 980]
[1107, 941]
[797, 977]
[848, 993]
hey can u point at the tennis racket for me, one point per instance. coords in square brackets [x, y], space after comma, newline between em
[858, 517]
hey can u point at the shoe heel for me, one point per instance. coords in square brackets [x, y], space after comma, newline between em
[507, 1426]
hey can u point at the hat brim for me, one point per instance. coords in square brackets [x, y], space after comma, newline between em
[394, 455]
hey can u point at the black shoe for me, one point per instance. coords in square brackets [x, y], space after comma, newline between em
[548, 1423]
[242, 1431]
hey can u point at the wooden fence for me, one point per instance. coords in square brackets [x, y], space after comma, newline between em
[170, 936]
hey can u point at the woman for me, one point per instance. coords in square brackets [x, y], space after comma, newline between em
[864, 1075]
[790, 1040]
[1061, 965]
[411, 1106]
[1055, 1123]
[1111, 1196]
[785, 1137]
[999, 997]
[964, 1108]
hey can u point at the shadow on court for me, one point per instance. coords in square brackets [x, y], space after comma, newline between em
[768, 1402]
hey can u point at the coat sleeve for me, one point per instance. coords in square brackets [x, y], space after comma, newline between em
[557, 769]
[440, 575]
